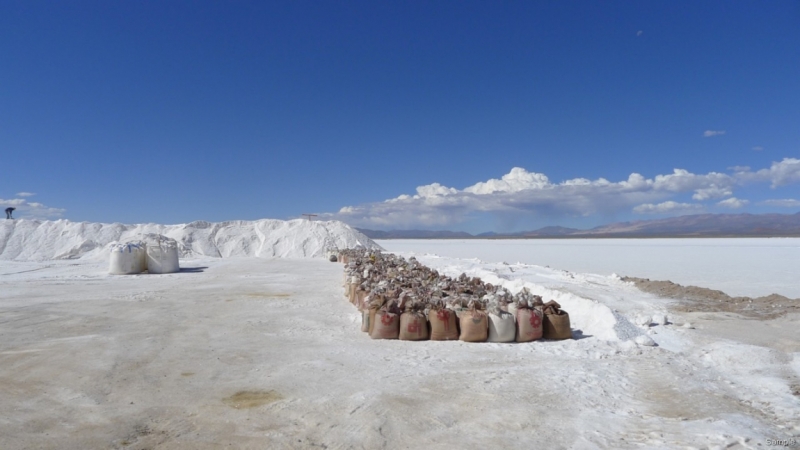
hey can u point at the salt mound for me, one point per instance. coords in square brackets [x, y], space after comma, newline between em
[34, 240]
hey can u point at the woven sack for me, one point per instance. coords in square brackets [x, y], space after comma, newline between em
[502, 327]
[459, 311]
[365, 320]
[373, 308]
[360, 296]
[529, 325]
[556, 322]
[474, 326]
[413, 326]
[352, 295]
[387, 325]
[443, 325]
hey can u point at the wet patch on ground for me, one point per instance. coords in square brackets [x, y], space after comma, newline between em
[251, 399]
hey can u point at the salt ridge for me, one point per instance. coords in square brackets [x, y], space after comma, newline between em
[34, 240]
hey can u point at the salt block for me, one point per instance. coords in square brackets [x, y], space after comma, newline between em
[643, 320]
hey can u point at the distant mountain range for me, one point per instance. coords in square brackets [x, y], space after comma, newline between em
[414, 234]
[699, 225]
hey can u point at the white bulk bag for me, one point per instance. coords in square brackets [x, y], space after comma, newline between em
[128, 258]
[502, 327]
[162, 257]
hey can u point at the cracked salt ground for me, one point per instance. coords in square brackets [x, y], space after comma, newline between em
[88, 365]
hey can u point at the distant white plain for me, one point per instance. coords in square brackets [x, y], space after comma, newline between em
[738, 266]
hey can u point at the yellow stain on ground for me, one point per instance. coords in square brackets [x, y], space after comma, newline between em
[251, 399]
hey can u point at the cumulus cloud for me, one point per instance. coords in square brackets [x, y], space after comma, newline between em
[712, 133]
[668, 207]
[712, 191]
[733, 203]
[25, 194]
[782, 203]
[433, 190]
[14, 202]
[31, 210]
[524, 193]
[778, 174]
[517, 180]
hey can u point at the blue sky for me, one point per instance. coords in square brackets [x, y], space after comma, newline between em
[399, 114]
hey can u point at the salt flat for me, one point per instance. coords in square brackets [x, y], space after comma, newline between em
[267, 353]
[738, 266]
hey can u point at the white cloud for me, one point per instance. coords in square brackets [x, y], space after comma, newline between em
[758, 148]
[668, 207]
[25, 194]
[14, 202]
[733, 203]
[782, 203]
[784, 172]
[517, 180]
[712, 191]
[779, 173]
[32, 210]
[433, 190]
[520, 192]
[712, 133]
[639, 33]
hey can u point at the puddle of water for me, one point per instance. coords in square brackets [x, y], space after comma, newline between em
[251, 399]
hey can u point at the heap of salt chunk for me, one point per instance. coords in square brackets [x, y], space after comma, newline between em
[36, 240]
[406, 300]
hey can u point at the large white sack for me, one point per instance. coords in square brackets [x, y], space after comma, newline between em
[162, 257]
[128, 258]
[502, 327]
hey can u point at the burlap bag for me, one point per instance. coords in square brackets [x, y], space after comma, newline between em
[373, 308]
[413, 326]
[361, 295]
[351, 294]
[387, 325]
[365, 320]
[474, 326]
[443, 324]
[556, 322]
[529, 324]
